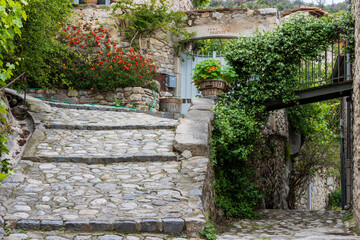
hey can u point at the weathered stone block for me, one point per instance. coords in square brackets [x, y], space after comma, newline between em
[125, 226]
[135, 97]
[28, 224]
[192, 136]
[202, 116]
[77, 226]
[148, 225]
[99, 97]
[100, 226]
[138, 90]
[72, 93]
[173, 225]
[49, 225]
[110, 97]
[266, 11]
[194, 226]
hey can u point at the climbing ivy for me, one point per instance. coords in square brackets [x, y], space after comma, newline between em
[267, 65]
[145, 19]
[12, 16]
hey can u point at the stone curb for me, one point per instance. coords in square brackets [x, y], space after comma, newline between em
[194, 130]
[169, 115]
[101, 127]
[166, 225]
[105, 160]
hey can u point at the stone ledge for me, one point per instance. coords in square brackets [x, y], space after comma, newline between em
[102, 127]
[193, 131]
[103, 160]
[116, 109]
[166, 225]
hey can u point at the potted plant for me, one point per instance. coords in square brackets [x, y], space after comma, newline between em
[211, 78]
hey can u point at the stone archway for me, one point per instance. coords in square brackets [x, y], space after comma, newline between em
[230, 22]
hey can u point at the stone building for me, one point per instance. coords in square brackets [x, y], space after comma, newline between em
[356, 117]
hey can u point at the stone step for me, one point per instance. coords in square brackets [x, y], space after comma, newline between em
[100, 146]
[91, 107]
[105, 160]
[124, 197]
[66, 235]
[60, 118]
[108, 127]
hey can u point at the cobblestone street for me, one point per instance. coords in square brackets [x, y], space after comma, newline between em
[291, 224]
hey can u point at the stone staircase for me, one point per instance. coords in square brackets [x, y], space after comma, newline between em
[103, 170]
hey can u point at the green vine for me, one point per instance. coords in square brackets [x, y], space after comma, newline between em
[146, 19]
[267, 64]
[12, 16]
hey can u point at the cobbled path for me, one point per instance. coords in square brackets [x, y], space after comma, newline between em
[291, 224]
[90, 171]
[87, 143]
[67, 191]
[63, 118]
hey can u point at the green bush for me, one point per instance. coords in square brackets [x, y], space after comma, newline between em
[37, 49]
[235, 134]
[98, 62]
[267, 65]
[334, 198]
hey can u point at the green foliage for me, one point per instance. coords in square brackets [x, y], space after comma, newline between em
[281, 5]
[334, 199]
[12, 15]
[198, 4]
[98, 63]
[348, 216]
[318, 123]
[274, 56]
[234, 137]
[147, 18]
[208, 46]
[37, 48]
[209, 232]
[212, 69]
[4, 163]
[267, 65]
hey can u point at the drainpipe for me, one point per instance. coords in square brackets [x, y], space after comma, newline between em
[348, 154]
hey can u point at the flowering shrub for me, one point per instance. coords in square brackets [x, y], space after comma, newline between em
[97, 62]
[212, 69]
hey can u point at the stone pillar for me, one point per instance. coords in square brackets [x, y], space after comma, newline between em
[356, 105]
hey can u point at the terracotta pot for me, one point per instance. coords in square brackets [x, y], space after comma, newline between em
[213, 87]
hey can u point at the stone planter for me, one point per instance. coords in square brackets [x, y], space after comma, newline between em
[213, 87]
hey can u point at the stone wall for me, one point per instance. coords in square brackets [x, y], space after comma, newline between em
[192, 140]
[321, 185]
[230, 23]
[356, 107]
[273, 169]
[134, 97]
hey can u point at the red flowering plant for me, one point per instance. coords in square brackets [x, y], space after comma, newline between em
[99, 63]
